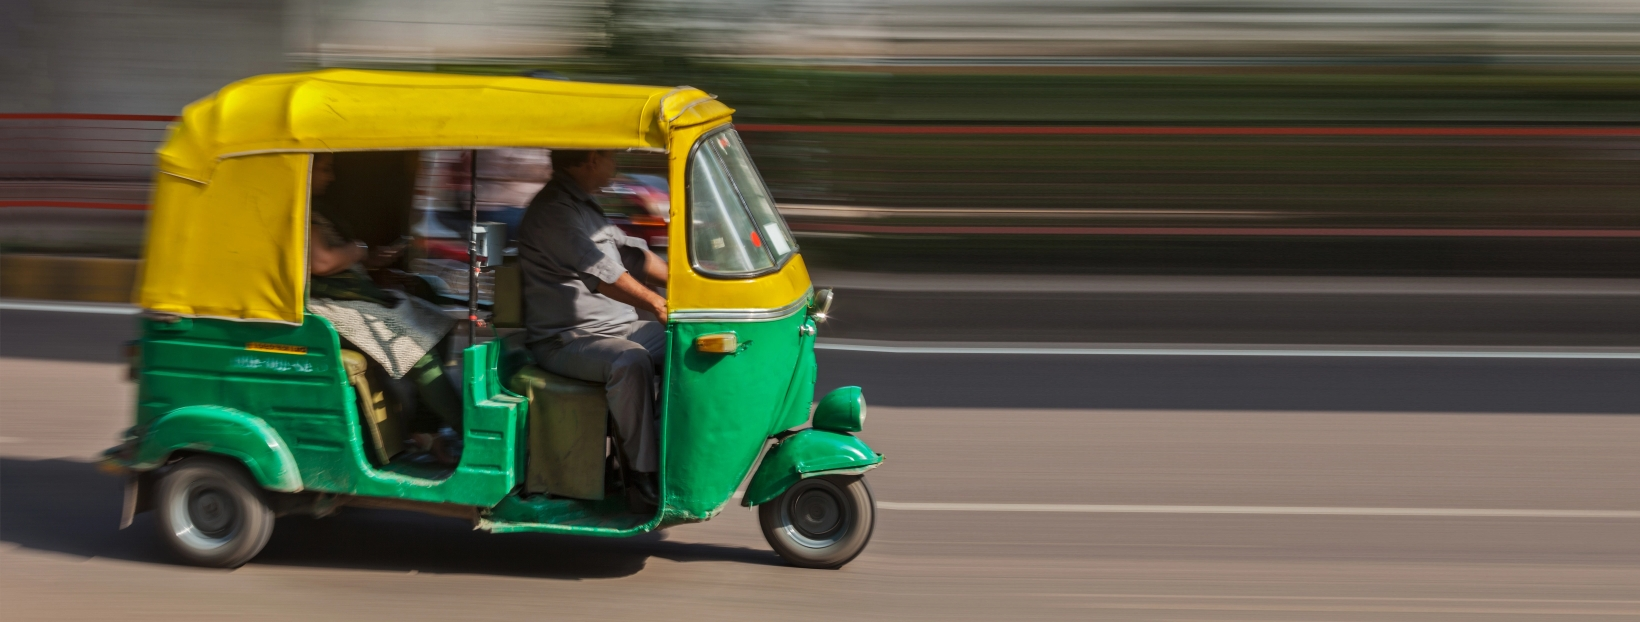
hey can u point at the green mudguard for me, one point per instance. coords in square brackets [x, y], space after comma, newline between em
[224, 431]
[807, 454]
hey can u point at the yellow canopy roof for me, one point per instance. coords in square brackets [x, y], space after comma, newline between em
[227, 231]
[345, 109]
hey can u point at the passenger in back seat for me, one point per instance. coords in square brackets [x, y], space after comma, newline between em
[403, 334]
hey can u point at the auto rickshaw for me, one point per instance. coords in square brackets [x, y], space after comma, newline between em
[249, 407]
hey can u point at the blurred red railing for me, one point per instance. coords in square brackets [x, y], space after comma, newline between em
[66, 160]
[105, 161]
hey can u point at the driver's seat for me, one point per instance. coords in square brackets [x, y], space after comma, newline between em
[568, 422]
[568, 418]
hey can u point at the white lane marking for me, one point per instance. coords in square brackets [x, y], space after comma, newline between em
[1348, 353]
[1422, 599]
[1254, 509]
[68, 307]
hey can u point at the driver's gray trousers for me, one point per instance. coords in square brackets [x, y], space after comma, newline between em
[627, 365]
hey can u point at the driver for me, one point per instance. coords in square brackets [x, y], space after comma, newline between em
[584, 285]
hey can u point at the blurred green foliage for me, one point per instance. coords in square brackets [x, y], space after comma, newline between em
[1339, 95]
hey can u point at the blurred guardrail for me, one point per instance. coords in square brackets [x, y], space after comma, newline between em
[73, 195]
[75, 184]
[1378, 177]
[1538, 200]
[101, 161]
[1552, 180]
[1407, 200]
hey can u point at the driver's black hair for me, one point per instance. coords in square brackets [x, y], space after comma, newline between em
[565, 159]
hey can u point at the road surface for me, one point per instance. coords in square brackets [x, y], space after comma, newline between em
[1016, 487]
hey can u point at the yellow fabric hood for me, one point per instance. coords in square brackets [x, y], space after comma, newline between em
[227, 232]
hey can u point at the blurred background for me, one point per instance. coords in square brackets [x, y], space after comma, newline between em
[1323, 137]
[1303, 253]
[1061, 140]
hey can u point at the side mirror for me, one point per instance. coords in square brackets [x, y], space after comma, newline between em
[821, 305]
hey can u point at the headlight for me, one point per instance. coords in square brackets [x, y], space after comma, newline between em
[842, 410]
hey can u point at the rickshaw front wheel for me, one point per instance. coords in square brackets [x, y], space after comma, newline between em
[212, 513]
[820, 522]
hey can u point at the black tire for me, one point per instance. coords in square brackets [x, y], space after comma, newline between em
[211, 512]
[820, 522]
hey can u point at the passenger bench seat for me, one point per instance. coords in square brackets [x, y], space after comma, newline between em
[386, 434]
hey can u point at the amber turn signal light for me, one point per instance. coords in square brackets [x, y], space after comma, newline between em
[718, 343]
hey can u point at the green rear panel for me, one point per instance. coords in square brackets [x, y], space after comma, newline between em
[205, 363]
[718, 412]
[305, 398]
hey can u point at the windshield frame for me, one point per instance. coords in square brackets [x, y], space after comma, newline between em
[689, 218]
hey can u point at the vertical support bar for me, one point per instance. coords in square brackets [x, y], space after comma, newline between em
[472, 248]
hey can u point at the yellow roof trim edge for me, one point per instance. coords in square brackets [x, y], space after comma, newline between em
[358, 110]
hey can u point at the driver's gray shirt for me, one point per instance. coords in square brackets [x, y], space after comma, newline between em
[566, 247]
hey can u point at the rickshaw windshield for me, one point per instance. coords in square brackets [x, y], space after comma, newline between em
[735, 228]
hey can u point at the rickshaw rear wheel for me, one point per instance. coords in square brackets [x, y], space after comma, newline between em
[820, 522]
[211, 512]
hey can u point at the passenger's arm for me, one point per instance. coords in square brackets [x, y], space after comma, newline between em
[324, 261]
[628, 290]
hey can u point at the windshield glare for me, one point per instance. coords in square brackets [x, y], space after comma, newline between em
[756, 195]
[722, 236]
[734, 226]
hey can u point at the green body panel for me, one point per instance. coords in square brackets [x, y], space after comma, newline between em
[717, 413]
[807, 454]
[721, 408]
[291, 417]
[542, 514]
[225, 431]
[306, 400]
[794, 410]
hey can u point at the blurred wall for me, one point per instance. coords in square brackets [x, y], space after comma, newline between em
[155, 56]
[421, 32]
[131, 56]
[1163, 63]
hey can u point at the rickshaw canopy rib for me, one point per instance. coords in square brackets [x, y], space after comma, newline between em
[227, 231]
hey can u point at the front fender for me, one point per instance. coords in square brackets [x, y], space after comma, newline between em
[807, 454]
[224, 431]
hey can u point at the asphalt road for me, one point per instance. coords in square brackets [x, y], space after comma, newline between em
[1262, 310]
[1269, 489]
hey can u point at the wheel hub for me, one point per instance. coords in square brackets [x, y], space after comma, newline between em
[817, 513]
[212, 512]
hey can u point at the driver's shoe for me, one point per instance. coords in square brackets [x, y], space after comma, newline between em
[643, 495]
